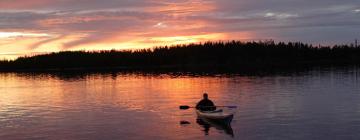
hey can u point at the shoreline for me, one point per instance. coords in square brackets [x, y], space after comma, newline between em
[181, 69]
[232, 56]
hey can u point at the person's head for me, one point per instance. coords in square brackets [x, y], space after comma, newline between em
[205, 95]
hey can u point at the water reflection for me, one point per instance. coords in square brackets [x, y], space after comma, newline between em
[208, 124]
[78, 75]
[312, 105]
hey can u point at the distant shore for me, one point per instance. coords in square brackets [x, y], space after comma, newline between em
[232, 56]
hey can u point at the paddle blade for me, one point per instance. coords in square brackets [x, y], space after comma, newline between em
[232, 106]
[184, 107]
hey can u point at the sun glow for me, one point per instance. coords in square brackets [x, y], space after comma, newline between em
[165, 24]
[22, 34]
[150, 42]
[32, 43]
[90, 34]
[173, 40]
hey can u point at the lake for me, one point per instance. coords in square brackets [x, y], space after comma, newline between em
[315, 104]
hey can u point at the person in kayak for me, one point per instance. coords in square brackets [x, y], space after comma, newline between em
[205, 104]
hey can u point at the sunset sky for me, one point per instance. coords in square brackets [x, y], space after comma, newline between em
[37, 26]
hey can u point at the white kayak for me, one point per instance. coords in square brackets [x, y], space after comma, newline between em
[218, 116]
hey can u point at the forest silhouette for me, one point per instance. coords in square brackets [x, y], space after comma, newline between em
[230, 55]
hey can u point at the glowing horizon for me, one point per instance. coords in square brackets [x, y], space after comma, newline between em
[39, 26]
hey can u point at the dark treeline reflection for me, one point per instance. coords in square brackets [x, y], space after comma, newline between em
[232, 55]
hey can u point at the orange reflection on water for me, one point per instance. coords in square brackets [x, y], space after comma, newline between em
[62, 99]
[132, 92]
[172, 92]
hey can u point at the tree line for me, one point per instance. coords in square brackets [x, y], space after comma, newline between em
[231, 55]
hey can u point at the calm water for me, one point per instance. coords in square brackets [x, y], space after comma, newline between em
[318, 104]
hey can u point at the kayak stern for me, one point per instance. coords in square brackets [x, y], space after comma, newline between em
[215, 116]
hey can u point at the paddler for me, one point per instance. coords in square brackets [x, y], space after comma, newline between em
[205, 104]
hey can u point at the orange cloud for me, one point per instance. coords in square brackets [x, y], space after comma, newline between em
[183, 8]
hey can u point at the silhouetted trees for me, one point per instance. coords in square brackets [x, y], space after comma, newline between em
[209, 55]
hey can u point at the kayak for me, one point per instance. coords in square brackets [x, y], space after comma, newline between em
[217, 116]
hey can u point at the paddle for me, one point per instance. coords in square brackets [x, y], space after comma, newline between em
[184, 107]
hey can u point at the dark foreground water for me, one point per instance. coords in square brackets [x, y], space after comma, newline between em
[318, 104]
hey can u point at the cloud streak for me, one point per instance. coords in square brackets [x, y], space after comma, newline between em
[45, 41]
[93, 22]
